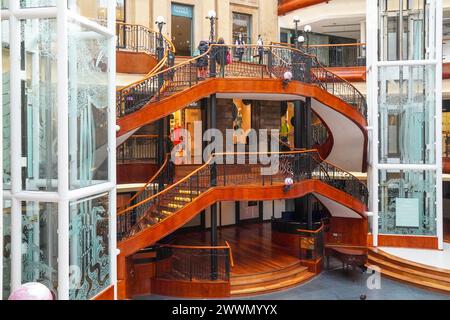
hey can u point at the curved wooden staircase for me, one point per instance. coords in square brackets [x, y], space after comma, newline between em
[261, 283]
[409, 272]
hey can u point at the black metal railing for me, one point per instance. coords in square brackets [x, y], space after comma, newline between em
[319, 133]
[446, 144]
[235, 169]
[252, 61]
[185, 263]
[138, 148]
[137, 38]
[160, 180]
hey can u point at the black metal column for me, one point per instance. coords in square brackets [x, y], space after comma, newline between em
[214, 241]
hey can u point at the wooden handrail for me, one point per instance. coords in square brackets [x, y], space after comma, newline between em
[166, 161]
[159, 65]
[325, 45]
[194, 247]
[183, 247]
[323, 160]
[230, 254]
[312, 231]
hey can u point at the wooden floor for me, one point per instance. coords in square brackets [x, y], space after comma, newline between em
[253, 250]
[260, 266]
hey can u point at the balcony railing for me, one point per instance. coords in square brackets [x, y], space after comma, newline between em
[298, 165]
[194, 263]
[446, 144]
[251, 61]
[138, 148]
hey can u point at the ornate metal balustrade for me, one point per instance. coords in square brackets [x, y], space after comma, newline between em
[446, 144]
[250, 61]
[189, 263]
[137, 38]
[138, 148]
[298, 165]
[160, 180]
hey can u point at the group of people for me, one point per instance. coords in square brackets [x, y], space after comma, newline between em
[223, 55]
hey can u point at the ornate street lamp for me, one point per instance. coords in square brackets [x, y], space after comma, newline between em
[212, 16]
[301, 41]
[160, 22]
[307, 30]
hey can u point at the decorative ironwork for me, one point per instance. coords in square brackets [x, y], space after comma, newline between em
[89, 248]
[299, 166]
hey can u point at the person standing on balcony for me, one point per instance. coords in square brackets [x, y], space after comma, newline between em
[284, 135]
[202, 61]
[260, 44]
[222, 56]
[240, 43]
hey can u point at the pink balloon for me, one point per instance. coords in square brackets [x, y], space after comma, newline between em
[31, 291]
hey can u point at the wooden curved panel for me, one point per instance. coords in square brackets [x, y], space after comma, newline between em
[235, 193]
[135, 172]
[286, 6]
[134, 62]
[351, 74]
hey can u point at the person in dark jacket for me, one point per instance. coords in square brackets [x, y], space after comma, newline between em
[222, 55]
[202, 62]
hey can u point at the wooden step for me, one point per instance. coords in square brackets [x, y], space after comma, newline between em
[266, 276]
[270, 286]
[409, 271]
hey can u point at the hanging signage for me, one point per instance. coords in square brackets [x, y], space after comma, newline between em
[407, 213]
[180, 10]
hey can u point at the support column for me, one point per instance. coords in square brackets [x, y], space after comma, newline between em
[214, 241]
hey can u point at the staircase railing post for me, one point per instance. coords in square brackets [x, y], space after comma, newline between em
[212, 62]
[270, 61]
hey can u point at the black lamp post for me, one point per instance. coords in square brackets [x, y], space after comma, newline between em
[296, 22]
[212, 16]
[160, 22]
[307, 30]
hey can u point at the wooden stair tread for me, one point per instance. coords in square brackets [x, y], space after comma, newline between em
[281, 285]
[275, 278]
[414, 264]
[267, 276]
[419, 282]
[409, 270]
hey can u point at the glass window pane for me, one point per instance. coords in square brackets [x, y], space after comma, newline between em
[94, 10]
[407, 202]
[88, 107]
[89, 247]
[242, 26]
[5, 4]
[5, 107]
[39, 104]
[407, 114]
[6, 248]
[37, 3]
[39, 243]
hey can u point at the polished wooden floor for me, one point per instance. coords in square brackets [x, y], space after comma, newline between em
[252, 247]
